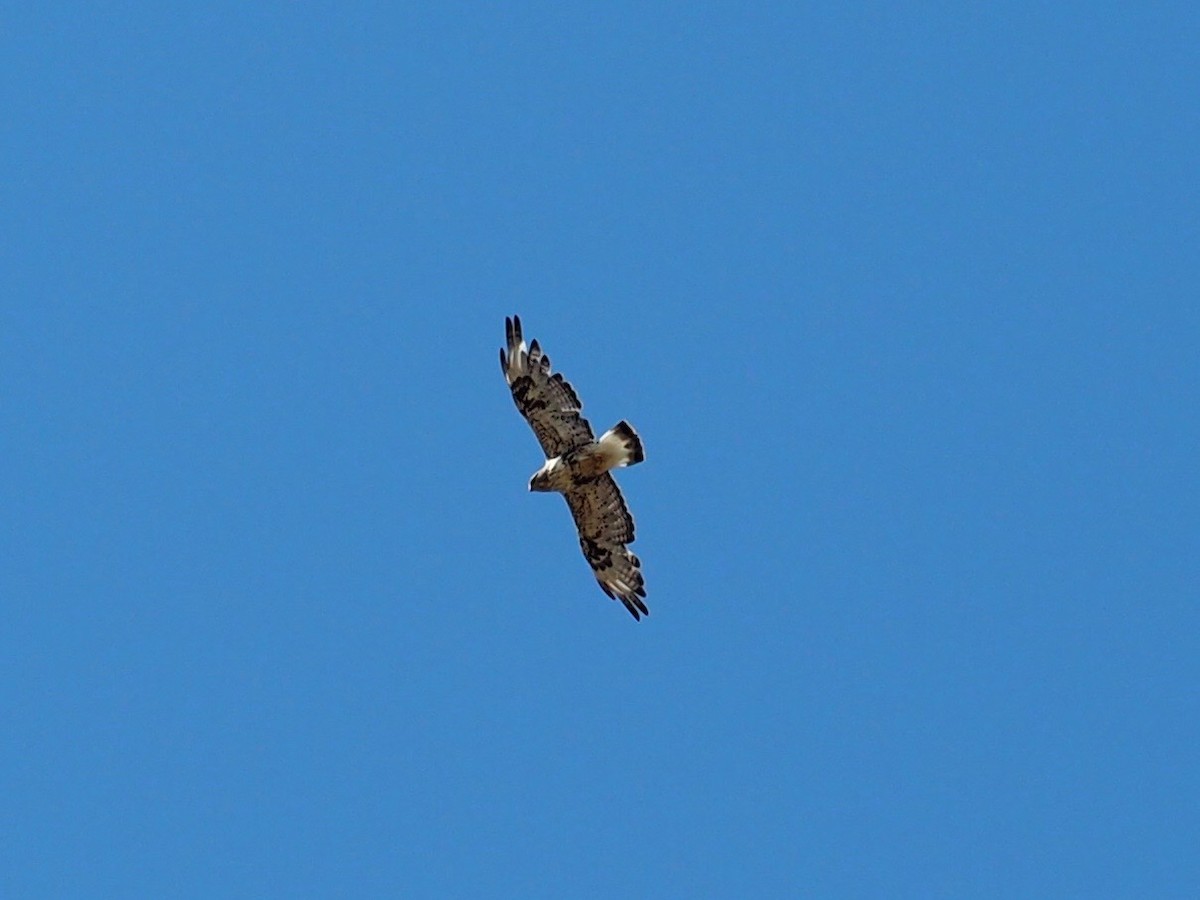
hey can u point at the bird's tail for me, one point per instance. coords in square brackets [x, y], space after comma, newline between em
[621, 446]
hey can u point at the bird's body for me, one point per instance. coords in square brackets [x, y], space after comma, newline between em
[616, 448]
[578, 466]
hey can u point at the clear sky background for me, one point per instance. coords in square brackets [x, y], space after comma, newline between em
[904, 302]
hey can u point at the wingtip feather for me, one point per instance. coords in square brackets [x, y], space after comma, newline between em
[636, 608]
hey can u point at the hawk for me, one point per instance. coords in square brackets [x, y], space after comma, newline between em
[578, 466]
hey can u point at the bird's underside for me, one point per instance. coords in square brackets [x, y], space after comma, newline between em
[579, 466]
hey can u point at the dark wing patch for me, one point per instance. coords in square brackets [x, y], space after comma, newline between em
[547, 401]
[605, 528]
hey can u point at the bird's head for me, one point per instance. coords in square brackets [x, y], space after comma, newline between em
[541, 478]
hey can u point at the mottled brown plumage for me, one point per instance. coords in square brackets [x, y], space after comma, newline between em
[578, 466]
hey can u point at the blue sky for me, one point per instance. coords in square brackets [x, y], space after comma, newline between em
[903, 302]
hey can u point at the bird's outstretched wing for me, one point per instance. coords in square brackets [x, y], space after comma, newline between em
[548, 402]
[605, 531]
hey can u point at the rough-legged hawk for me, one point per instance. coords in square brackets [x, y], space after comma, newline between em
[577, 466]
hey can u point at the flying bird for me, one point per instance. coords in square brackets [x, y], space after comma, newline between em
[578, 466]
